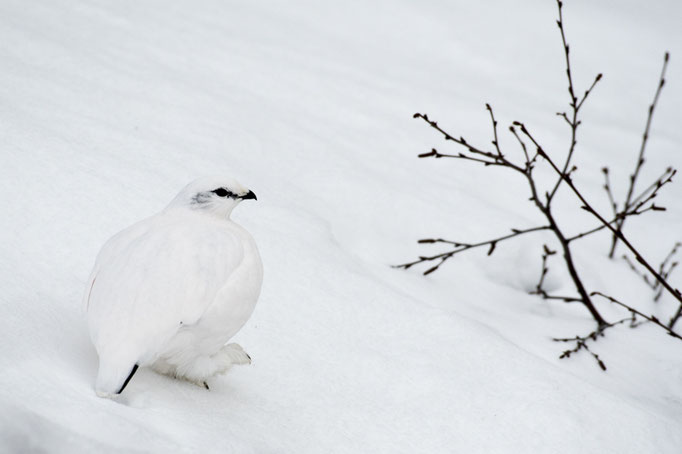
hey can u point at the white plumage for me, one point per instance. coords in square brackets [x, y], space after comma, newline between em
[171, 290]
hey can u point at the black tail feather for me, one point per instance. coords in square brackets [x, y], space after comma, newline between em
[125, 383]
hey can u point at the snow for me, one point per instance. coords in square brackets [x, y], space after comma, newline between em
[109, 108]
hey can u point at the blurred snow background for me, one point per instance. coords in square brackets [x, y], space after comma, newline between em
[108, 108]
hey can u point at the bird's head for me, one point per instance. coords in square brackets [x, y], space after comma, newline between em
[212, 195]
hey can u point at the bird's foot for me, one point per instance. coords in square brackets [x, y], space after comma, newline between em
[206, 386]
[235, 354]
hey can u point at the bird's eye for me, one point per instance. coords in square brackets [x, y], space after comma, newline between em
[221, 192]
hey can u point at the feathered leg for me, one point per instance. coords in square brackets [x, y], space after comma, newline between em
[198, 370]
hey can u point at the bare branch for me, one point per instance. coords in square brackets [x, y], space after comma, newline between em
[665, 269]
[496, 159]
[636, 211]
[644, 277]
[529, 161]
[542, 199]
[589, 90]
[581, 342]
[574, 104]
[494, 122]
[609, 192]
[461, 247]
[640, 158]
[650, 318]
[675, 318]
[435, 154]
[586, 206]
[651, 190]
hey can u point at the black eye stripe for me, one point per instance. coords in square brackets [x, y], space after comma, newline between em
[222, 192]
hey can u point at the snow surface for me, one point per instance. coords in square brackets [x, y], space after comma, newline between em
[107, 109]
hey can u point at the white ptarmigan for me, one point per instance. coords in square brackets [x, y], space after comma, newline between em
[171, 290]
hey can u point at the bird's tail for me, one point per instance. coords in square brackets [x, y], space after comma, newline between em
[113, 376]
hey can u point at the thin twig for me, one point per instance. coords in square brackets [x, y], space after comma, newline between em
[638, 205]
[644, 277]
[436, 154]
[529, 162]
[546, 253]
[640, 158]
[575, 105]
[650, 318]
[461, 247]
[581, 341]
[540, 289]
[495, 140]
[586, 206]
[496, 159]
[665, 269]
[602, 226]
[609, 192]
[675, 318]
[650, 191]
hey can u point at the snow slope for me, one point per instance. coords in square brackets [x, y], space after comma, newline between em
[108, 108]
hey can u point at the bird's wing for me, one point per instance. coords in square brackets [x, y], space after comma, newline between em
[155, 276]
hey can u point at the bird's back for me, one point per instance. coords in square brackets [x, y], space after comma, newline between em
[154, 277]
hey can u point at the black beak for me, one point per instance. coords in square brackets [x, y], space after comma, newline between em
[249, 195]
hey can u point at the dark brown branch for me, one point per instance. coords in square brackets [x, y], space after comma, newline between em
[545, 209]
[586, 233]
[565, 299]
[461, 247]
[581, 344]
[581, 341]
[436, 154]
[542, 199]
[675, 318]
[589, 90]
[665, 269]
[640, 158]
[546, 253]
[560, 23]
[499, 159]
[529, 162]
[635, 212]
[644, 277]
[586, 206]
[494, 122]
[539, 288]
[651, 190]
[602, 226]
[632, 310]
[496, 159]
[609, 192]
[575, 105]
